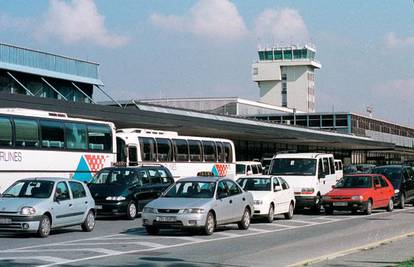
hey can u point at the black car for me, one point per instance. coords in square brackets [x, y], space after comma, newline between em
[402, 178]
[126, 190]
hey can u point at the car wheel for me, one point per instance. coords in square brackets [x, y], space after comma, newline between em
[44, 226]
[329, 210]
[402, 202]
[131, 212]
[390, 206]
[271, 214]
[152, 230]
[368, 209]
[245, 221]
[317, 206]
[89, 224]
[210, 225]
[289, 215]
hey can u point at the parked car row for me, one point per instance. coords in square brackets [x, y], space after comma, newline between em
[296, 181]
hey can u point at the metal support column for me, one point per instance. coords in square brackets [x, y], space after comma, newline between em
[53, 88]
[108, 95]
[24, 87]
[80, 90]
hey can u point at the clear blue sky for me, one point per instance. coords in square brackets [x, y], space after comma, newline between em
[158, 48]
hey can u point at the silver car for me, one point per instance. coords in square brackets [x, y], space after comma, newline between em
[37, 205]
[199, 203]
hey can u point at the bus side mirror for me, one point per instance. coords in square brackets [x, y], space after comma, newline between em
[321, 176]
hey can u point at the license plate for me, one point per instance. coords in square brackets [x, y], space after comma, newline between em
[98, 207]
[5, 221]
[165, 219]
[340, 204]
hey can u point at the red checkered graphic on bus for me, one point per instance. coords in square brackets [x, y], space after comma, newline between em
[221, 169]
[95, 162]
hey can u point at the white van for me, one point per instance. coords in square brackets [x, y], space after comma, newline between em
[339, 169]
[310, 174]
[246, 168]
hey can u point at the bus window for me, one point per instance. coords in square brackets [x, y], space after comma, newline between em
[228, 152]
[220, 152]
[100, 138]
[147, 146]
[195, 150]
[164, 149]
[6, 135]
[53, 134]
[75, 136]
[132, 156]
[120, 150]
[209, 151]
[325, 166]
[331, 165]
[27, 133]
[181, 150]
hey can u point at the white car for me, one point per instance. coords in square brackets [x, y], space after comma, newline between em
[246, 168]
[272, 195]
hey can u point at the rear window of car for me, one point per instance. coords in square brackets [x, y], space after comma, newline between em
[160, 176]
[78, 191]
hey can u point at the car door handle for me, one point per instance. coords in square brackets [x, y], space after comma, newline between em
[231, 201]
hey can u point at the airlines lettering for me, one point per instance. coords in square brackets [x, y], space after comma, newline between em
[10, 156]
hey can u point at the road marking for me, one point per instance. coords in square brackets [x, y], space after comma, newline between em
[259, 230]
[42, 258]
[229, 236]
[97, 250]
[305, 222]
[351, 250]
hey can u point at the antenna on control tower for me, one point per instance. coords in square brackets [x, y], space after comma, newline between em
[370, 110]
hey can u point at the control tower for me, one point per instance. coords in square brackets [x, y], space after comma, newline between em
[286, 76]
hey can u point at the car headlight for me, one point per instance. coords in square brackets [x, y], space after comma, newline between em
[396, 191]
[149, 210]
[258, 202]
[27, 211]
[326, 198]
[119, 198]
[360, 198]
[194, 210]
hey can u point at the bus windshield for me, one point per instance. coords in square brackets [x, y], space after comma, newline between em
[293, 166]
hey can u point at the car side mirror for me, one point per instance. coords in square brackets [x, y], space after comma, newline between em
[376, 186]
[334, 186]
[249, 172]
[277, 188]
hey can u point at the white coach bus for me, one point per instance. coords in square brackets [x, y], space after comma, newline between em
[36, 143]
[182, 155]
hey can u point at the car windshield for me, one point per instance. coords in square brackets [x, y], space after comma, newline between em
[392, 173]
[30, 189]
[240, 169]
[118, 176]
[355, 182]
[292, 166]
[255, 184]
[191, 189]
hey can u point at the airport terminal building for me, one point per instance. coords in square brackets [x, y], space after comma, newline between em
[40, 80]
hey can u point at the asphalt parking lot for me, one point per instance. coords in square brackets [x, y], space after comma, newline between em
[116, 242]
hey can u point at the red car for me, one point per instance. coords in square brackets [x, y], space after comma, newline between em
[360, 192]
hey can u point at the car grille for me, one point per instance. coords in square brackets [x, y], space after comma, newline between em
[169, 225]
[340, 197]
[168, 210]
